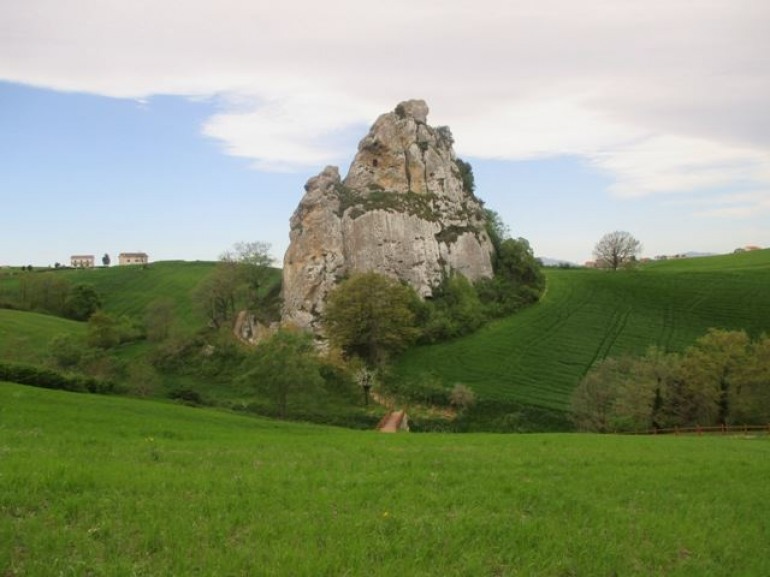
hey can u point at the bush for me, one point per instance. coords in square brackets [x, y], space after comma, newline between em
[50, 379]
[188, 396]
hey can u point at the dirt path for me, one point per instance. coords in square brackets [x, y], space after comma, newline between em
[393, 422]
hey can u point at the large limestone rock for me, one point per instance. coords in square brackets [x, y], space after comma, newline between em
[404, 210]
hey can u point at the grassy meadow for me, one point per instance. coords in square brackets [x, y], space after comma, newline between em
[24, 336]
[93, 485]
[537, 357]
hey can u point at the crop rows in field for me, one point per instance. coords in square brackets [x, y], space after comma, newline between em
[538, 356]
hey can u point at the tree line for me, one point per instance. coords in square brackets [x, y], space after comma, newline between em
[722, 379]
[53, 294]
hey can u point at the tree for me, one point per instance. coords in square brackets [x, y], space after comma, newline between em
[462, 397]
[518, 280]
[44, 292]
[454, 310]
[282, 364]
[616, 249]
[106, 259]
[713, 369]
[66, 350]
[721, 379]
[215, 295]
[158, 318]
[496, 228]
[103, 331]
[82, 301]
[372, 316]
[750, 397]
[253, 263]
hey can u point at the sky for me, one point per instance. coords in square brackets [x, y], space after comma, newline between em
[179, 128]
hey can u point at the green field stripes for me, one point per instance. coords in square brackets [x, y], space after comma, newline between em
[539, 355]
[127, 290]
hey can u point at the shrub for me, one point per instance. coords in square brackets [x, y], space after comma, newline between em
[50, 379]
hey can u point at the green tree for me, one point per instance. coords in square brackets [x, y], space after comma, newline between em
[46, 292]
[215, 295]
[593, 400]
[462, 397]
[466, 175]
[497, 230]
[253, 263]
[519, 279]
[66, 350]
[82, 301]
[103, 331]
[616, 249]
[750, 393]
[106, 259]
[372, 316]
[712, 370]
[454, 310]
[284, 364]
[159, 318]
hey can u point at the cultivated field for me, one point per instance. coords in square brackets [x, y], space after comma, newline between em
[538, 356]
[107, 486]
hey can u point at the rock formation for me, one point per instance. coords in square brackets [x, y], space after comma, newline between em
[405, 209]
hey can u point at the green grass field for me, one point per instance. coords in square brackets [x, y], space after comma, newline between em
[538, 356]
[110, 486]
[24, 337]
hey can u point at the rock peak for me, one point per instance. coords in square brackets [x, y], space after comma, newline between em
[405, 209]
[415, 109]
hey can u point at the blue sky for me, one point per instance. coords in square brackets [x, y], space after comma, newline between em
[179, 133]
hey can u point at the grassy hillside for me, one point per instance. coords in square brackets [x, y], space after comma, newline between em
[538, 356]
[94, 485]
[24, 336]
[127, 290]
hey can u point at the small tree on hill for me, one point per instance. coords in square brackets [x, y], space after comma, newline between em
[616, 249]
[82, 301]
[372, 316]
[106, 259]
[283, 364]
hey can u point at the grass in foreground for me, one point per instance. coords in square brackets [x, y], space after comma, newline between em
[112, 486]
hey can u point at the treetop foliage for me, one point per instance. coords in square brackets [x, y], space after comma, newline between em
[372, 316]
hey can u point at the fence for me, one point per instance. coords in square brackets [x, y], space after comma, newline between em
[720, 429]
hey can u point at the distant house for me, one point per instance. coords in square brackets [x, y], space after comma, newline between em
[82, 261]
[132, 258]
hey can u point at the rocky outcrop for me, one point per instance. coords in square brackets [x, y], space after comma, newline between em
[406, 209]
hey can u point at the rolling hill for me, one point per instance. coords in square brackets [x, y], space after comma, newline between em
[24, 336]
[538, 356]
[532, 359]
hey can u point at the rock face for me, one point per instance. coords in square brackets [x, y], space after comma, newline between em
[405, 209]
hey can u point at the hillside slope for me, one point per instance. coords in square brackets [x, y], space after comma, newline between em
[538, 356]
[24, 337]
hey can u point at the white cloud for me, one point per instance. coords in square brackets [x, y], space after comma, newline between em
[665, 96]
[742, 205]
